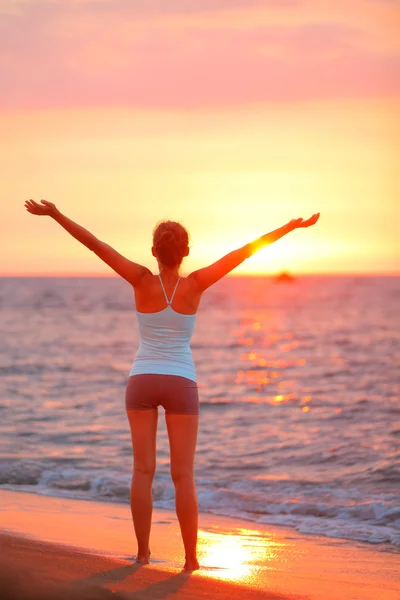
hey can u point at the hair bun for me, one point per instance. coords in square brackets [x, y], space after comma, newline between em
[168, 233]
[167, 237]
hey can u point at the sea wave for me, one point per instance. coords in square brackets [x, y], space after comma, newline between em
[298, 386]
[334, 515]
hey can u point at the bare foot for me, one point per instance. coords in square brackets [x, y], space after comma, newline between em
[191, 565]
[143, 559]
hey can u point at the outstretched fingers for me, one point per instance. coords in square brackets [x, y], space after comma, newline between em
[34, 208]
[297, 223]
[45, 208]
[311, 221]
[31, 206]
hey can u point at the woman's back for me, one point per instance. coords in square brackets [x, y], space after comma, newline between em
[165, 332]
[150, 297]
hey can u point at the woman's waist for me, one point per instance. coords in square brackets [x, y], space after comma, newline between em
[182, 365]
[164, 353]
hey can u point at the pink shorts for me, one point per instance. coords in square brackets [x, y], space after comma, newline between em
[177, 395]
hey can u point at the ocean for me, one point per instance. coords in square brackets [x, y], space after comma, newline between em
[299, 399]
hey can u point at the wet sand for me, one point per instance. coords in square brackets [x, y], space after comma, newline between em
[62, 548]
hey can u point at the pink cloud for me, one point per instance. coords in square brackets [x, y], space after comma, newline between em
[143, 8]
[71, 57]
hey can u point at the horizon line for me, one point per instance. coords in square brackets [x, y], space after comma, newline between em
[269, 274]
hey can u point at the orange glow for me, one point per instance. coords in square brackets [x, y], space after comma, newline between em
[234, 557]
[282, 398]
[270, 561]
[231, 157]
[181, 191]
[306, 399]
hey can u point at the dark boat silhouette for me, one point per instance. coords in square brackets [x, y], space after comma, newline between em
[284, 277]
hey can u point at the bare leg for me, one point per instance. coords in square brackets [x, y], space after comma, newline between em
[182, 432]
[143, 425]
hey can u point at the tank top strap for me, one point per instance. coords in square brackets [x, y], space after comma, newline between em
[169, 302]
[173, 293]
[163, 288]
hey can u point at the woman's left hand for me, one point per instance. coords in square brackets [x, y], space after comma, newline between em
[46, 208]
[297, 223]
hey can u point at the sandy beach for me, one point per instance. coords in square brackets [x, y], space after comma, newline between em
[50, 546]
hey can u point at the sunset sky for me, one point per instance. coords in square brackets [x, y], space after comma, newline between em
[230, 116]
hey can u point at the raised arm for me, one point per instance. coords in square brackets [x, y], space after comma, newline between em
[127, 269]
[207, 276]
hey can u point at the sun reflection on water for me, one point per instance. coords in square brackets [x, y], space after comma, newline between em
[236, 556]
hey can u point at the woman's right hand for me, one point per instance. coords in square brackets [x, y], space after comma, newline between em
[46, 208]
[296, 223]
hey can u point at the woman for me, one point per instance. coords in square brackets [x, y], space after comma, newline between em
[163, 371]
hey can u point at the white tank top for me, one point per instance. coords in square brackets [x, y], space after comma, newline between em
[164, 342]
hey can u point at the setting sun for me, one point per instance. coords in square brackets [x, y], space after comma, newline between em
[229, 177]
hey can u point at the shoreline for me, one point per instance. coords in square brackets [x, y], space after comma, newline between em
[261, 561]
[290, 530]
